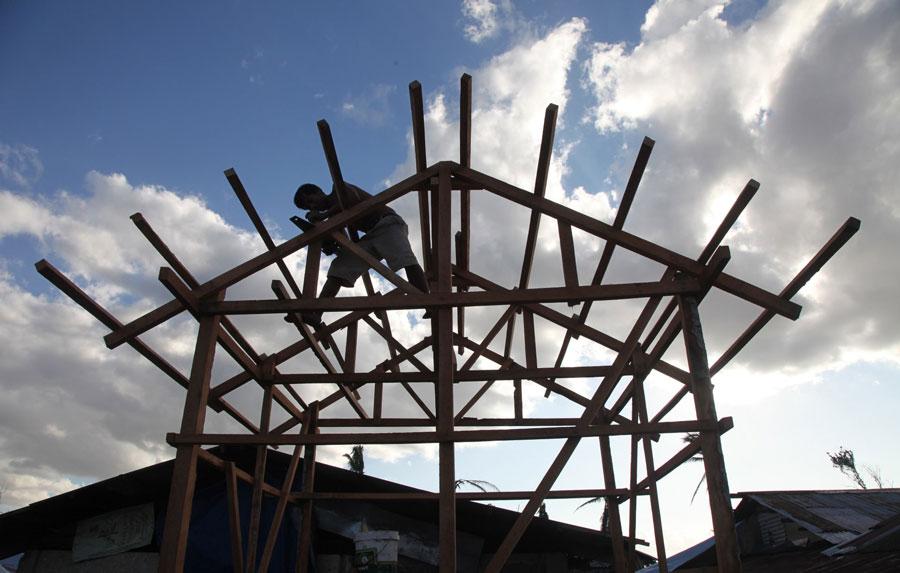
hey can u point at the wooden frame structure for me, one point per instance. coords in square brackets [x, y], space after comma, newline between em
[617, 407]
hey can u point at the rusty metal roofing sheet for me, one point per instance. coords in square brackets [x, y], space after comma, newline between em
[835, 515]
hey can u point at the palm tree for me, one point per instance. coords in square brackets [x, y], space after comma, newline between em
[604, 517]
[693, 438]
[845, 461]
[476, 483]
[355, 460]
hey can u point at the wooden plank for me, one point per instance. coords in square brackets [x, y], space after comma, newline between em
[728, 555]
[655, 514]
[417, 109]
[442, 326]
[234, 519]
[311, 268]
[352, 438]
[379, 376]
[259, 478]
[428, 496]
[726, 282]
[465, 119]
[184, 472]
[465, 198]
[450, 299]
[620, 558]
[540, 189]
[309, 479]
[530, 344]
[567, 252]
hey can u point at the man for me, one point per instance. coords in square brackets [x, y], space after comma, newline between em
[386, 237]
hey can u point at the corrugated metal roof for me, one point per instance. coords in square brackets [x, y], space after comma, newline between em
[834, 515]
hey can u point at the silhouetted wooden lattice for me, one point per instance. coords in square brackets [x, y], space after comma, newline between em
[678, 293]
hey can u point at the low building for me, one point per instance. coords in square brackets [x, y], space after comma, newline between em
[808, 532]
[116, 525]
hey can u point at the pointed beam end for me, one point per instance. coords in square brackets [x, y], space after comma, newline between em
[648, 142]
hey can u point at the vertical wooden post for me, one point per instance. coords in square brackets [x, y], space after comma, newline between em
[417, 107]
[443, 365]
[612, 506]
[234, 518]
[655, 513]
[465, 200]
[184, 473]
[727, 549]
[309, 478]
[259, 477]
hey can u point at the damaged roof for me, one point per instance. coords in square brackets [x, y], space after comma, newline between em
[836, 516]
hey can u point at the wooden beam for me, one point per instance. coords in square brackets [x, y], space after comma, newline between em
[184, 472]
[234, 518]
[728, 555]
[567, 251]
[379, 376]
[442, 326]
[309, 479]
[259, 478]
[465, 199]
[655, 514]
[450, 299]
[620, 559]
[352, 438]
[417, 109]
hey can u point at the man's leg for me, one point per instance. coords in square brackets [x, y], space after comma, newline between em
[329, 290]
[416, 277]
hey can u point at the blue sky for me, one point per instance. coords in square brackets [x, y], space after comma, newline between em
[108, 108]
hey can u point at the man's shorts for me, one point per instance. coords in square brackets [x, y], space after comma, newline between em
[388, 240]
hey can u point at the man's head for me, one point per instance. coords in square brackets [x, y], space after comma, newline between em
[310, 197]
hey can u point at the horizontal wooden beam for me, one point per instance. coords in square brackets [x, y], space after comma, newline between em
[466, 376]
[454, 299]
[454, 436]
[465, 495]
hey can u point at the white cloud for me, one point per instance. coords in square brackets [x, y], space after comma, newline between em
[20, 165]
[370, 108]
[803, 99]
[482, 15]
